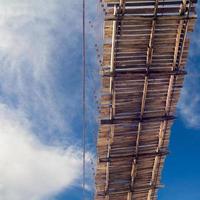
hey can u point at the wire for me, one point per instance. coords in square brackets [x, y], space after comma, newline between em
[84, 98]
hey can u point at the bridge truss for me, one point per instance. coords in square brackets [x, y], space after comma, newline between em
[144, 57]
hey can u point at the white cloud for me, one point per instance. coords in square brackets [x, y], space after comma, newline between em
[33, 110]
[30, 35]
[40, 97]
[189, 108]
[29, 169]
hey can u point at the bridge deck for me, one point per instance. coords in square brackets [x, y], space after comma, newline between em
[145, 52]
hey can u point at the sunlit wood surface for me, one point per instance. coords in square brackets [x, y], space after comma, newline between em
[145, 53]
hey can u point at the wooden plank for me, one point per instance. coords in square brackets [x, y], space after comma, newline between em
[142, 76]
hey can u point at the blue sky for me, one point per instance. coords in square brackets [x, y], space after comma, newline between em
[40, 105]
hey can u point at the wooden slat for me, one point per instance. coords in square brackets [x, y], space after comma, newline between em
[144, 54]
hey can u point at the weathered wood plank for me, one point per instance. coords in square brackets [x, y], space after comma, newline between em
[144, 53]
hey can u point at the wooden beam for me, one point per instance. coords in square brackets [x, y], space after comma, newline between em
[122, 6]
[151, 17]
[148, 63]
[169, 97]
[144, 72]
[136, 119]
[156, 153]
[112, 109]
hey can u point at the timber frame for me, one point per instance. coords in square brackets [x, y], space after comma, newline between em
[144, 58]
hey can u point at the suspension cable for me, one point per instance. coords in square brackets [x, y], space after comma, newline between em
[84, 98]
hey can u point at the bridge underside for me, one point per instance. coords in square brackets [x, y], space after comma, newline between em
[145, 51]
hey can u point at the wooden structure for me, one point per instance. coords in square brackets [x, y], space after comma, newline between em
[145, 51]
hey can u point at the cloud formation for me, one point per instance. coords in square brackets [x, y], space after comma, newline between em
[189, 108]
[28, 168]
[39, 55]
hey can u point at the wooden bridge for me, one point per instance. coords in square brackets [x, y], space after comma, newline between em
[144, 58]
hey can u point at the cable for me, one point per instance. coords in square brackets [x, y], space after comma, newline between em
[84, 98]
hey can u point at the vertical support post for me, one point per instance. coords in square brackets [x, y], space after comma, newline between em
[112, 109]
